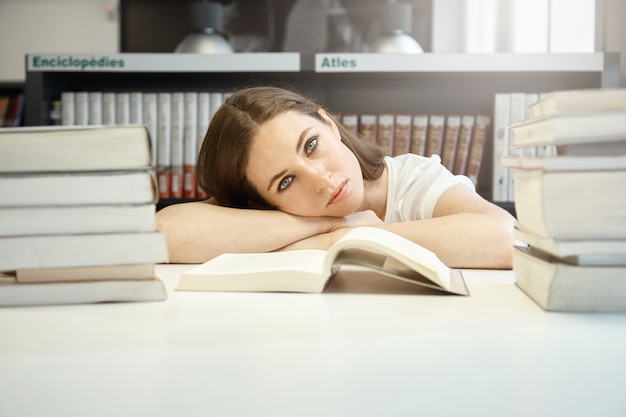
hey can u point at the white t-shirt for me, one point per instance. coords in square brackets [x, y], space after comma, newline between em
[415, 184]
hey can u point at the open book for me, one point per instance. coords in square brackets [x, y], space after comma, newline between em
[369, 248]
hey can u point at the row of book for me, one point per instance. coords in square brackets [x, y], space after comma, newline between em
[510, 108]
[570, 205]
[458, 139]
[78, 216]
[11, 110]
[178, 121]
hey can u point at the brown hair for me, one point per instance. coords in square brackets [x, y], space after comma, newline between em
[223, 157]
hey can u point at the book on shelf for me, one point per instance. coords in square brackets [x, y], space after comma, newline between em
[558, 286]
[477, 147]
[368, 127]
[450, 140]
[95, 108]
[71, 148]
[65, 250]
[583, 100]
[402, 134]
[571, 197]
[122, 108]
[419, 131]
[190, 143]
[150, 118]
[434, 134]
[135, 111]
[81, 108]
[372, 249]
[500, 141]
[14, 294]
[109, 106]
[351, 122]
[67, 108]
[204, 118]
[164, 147]
[597, 251]
[461, 156]
[517, 113]
[77, 219]
[177, 154]
[385, 131]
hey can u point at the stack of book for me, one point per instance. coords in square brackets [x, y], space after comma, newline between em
[77, 216]
[570, 201]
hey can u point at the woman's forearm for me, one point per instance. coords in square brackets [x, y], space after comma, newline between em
[198, 231]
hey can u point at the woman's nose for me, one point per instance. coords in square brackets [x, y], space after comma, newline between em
[319, 177]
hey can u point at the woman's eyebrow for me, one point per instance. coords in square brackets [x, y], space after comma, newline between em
[301, 139]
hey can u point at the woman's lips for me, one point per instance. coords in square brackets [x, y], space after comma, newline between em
[339, 194]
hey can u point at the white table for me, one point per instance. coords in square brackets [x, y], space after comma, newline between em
[494, 353]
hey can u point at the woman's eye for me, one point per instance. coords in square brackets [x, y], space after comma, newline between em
[284, 183]
[310, 145]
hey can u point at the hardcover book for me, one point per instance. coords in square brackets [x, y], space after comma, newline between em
[373, 249]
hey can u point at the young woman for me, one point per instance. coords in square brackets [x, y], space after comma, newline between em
[283, 175]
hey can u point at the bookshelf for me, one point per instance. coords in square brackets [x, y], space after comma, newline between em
[343, 82]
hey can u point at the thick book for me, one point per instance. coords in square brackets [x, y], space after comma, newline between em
[463, 146]
[571, 204]
[576, 101]
[598, 252]
[90, 188]
[385, 132]
[572, 129]
[402, 134]
[434, 134]
[311, 271]
[13, 294]
[50, 220]
[56, 251]
[557, 286]
[419, 132]
[86, 273]
[74, 148]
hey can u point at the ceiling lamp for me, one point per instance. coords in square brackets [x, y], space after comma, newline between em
[206, 38]
[397, 23]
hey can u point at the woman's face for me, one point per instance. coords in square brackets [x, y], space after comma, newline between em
[299, 164]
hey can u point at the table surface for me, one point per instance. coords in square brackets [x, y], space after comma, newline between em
[494, 353]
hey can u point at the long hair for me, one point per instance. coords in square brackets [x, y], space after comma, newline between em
[223, 157]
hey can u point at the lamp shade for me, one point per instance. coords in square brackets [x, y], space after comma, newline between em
[206, 19]
[397, 23]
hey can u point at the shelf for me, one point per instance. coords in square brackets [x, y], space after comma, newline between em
[176, 63]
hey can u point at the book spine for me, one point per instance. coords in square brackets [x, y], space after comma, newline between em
[419, 134]
[164, 149]
[500, 179]
[384, 137]
[150, 118]
[434, 139]
[81, 108]
[67, 108]
[108, 109]
[95, 108]
[368, 127]
[477, 147]
[178, 145]
[136, 107]
[450, 140]
[517, 114]
[190, 144]
[463, 145]
[123, 108]
[351, 122]
[204, 117]
[402, 134]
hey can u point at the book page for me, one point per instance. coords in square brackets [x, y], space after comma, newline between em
[389, 244]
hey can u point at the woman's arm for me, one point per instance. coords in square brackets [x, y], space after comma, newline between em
[466, 231]
[198, 231]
